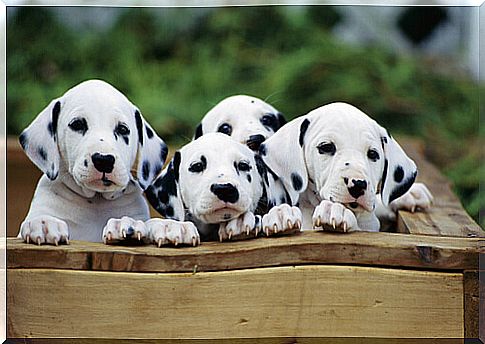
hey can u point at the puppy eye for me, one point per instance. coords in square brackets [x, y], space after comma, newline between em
[327, 148]
[373, 155]
[243, 166]
[225, 129]
[79, 125]
[196, 167]
[267, 120]
[122, 129]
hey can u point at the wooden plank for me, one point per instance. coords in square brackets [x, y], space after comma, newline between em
[471, 301]
[281, 340]
[304, 301]
[359, 248]
[447, 216]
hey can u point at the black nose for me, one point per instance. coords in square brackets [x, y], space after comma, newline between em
[225, 192]
[103, 163]
[358, 188]
[255, 141]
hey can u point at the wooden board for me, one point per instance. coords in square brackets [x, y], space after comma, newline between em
[305, 301]
[447, 216]
[360, 248]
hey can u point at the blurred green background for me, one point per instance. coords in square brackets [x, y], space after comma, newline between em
[176, 66]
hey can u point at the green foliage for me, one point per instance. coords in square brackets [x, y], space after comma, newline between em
[175, 64]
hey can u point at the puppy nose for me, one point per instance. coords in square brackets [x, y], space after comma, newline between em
[358, 188]
[225, 192]
[255, 141]
[103, 162]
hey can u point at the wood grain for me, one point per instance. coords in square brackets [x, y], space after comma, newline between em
[305, 301]
[447, 216]
[360, 248]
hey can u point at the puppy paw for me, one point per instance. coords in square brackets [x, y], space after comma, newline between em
[334, 217]
[240, 228]
[166, 231]
[282, 219]
[124, 229]
[418, 197]
[44, 229]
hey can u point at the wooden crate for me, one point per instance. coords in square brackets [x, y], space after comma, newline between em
[420, 281]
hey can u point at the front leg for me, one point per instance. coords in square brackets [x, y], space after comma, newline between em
[124, 229]
[172, 232]
[243, 227]
[418, 197]
[44, 229]
[282, 219]
[332, 216]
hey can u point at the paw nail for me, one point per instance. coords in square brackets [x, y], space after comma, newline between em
[275, 228]
[159, 243]
[123, 234]
[194, 242]
[27, 239]
[289, 224]
[230, 235]
[333, 223]
[56, 242]
[138, 234]
[38, 241]
[345, 226]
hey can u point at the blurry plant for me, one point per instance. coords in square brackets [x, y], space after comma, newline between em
[175, 64]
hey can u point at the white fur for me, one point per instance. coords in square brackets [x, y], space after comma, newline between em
[74, 200]
[293, 151]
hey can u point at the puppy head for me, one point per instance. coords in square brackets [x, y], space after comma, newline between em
[346, 154]
[214, 177]
[95, 135]
[246, 119]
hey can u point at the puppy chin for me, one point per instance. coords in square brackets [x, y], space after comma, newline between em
[220, 213]
[101, 182]
[363, 203]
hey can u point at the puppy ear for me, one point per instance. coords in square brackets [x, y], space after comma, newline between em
[283, 156]
[164, 193]
[399, 170]
[198, 131]
[39, 140]
[152, 152]
[281, 120]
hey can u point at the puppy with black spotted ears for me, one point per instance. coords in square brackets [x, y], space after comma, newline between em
[98, 154]
[212, 189]
[343, 170]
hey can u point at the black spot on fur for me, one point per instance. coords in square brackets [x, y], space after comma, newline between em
[249, 178]
[398, 174]
[383, 141]
[23, 140]
[262, 168]
[303, 128]
[42, 153]
[139, 126]
[296, 181]
[85, 163]
[145, 170]
[163, 196]
[198, 131]
[169, 211]
[281, 119]
[163, 152]
[403, 188]
[55, 118]
[384, 173]
[262, 149]
[50, 129]
[149, 131]
[126, 139]
[51, 174]
[176, 164]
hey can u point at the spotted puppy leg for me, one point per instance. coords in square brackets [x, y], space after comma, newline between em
[240, 228]
[126, 228]
[166, 232]
[418, 197]
[332, 216]
[282, 219]
[44, 229]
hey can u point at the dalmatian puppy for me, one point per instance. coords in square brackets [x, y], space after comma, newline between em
[339, 165]
[246, 119]
[250, 121]
[97, 154]
[216, 184]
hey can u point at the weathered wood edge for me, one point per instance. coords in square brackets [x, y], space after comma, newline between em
[447, 217]
[360, 248]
